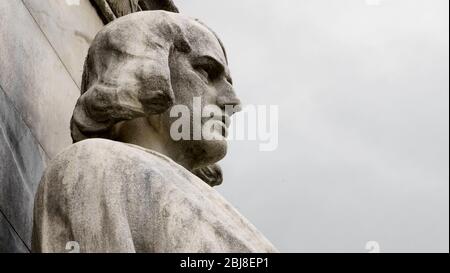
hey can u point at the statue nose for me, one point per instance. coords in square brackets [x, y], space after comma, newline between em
[230, 104]
[227, 100]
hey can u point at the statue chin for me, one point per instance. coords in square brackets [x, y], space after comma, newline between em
[217, 150]
[212, 151]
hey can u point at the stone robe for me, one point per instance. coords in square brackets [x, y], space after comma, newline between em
[114, 197]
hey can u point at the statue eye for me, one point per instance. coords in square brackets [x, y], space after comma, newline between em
[208, 69]
[203, 74]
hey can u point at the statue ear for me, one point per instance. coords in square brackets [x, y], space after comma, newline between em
[211, 175]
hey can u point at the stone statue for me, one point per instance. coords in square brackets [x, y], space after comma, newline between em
[126, 185]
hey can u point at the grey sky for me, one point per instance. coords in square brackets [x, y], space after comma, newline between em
[363, 92]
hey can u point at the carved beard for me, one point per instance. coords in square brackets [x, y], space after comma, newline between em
[211, 175]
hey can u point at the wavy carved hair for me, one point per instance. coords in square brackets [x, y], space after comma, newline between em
[126, 73]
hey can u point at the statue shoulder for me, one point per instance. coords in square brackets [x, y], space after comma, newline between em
[109, 156]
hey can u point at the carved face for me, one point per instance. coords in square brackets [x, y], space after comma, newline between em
[203, 75]
[143, 64]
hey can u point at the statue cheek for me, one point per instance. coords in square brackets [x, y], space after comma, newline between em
[156, 102]
[156, 94]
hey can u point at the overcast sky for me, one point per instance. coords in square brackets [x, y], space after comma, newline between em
[363, 91]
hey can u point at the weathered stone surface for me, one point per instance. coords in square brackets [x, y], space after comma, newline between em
[127, 75]
[34, 78]
[70, 30]
[109, 10]
[114, 197]
[167, 5]
[9, 241]
[21, 168]
[211, 175]
[41, 92]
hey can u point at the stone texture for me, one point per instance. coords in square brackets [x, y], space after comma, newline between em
[43, 45]
[109, 10]
[21, 168]
[167, 5]
[112, 196]
[134, 200]
[9, 241]
[34, 78]
[127, 74]
[70, 30]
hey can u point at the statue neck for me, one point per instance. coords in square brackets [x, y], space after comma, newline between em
[142, 133]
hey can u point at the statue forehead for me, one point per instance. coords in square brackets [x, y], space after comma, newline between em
[135, 32]
[204, 42]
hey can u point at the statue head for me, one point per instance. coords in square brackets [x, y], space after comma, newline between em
[142, 65]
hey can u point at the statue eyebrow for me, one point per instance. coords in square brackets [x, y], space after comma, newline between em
[216, 66]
